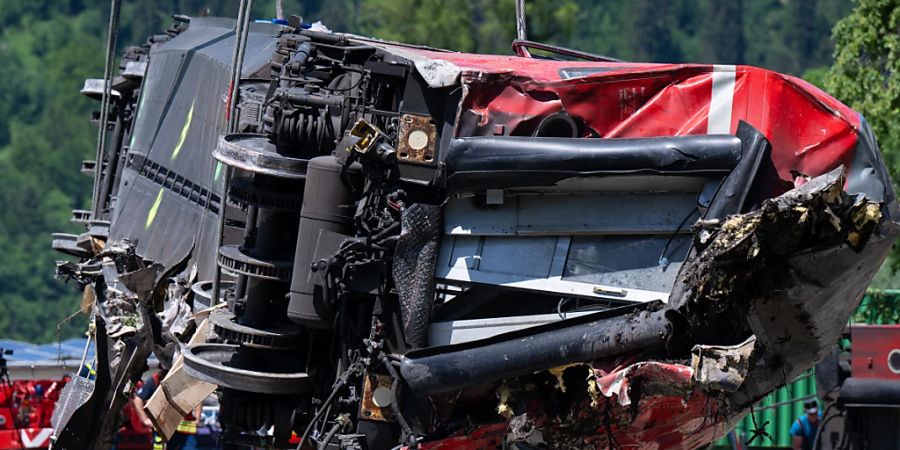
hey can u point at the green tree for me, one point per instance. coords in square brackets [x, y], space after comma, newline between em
[724, 44]
[439, 23]
[866, 61]
[40, 184]
[801, 33]
[649, 27]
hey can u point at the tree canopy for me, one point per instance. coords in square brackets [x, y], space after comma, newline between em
[863, 75]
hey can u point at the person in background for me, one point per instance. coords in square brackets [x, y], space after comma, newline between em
[185, 434]
[805, 428]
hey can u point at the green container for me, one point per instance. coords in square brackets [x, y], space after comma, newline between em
[775, 414]
[784, 417]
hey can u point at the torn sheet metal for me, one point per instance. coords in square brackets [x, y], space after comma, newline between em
[128, 291]
[745, 266]
[645, 405]
[659, 378]
[722, 367]
[789, 272]
[811, 132]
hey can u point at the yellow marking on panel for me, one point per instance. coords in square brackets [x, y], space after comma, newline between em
[153, 209]
[218, 171]
[184, 131]
[137, 120]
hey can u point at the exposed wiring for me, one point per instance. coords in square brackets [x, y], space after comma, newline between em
[59, 325]
[758, 430]
[348, 88]
[663, 260]
[821, 428]
[559, 307]
[338, 384]
[395, 407]
[342, 422]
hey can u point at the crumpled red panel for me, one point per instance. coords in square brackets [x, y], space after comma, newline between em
[661, 376]
[483, 437]
[665, 410]
[646, 405]
[810, 131]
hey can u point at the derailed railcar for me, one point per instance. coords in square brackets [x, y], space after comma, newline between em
[373, 244]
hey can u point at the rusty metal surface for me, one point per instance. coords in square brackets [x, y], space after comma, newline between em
[418, 136]
[368, 408]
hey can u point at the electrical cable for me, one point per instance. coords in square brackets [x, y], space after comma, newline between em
[338, 384]
[323, 444]
[520, 20]
[825, 421]
[236, 64]
[663, 261]
[395, 407]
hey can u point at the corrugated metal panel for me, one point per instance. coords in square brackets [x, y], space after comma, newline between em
[774, 415]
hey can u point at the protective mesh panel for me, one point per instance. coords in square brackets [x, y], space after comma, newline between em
[414, 263]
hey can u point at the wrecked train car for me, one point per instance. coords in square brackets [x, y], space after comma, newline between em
[366, 244]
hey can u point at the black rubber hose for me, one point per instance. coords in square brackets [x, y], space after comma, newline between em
[496, 162]
[341, 381]
[395, 402]
[328, 437]
[444, 369]
[825, 421]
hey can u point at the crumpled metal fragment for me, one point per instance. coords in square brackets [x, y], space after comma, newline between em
[177, 321]
[722, 367]
[119, 305]
[657, 379]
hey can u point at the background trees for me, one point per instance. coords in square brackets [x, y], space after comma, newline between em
[48, 47]
[864, 76]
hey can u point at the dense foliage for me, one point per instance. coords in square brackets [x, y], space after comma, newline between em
[48, 47]
[866, 60]
[865, 65]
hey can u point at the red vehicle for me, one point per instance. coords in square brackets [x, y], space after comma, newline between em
[27, 407]
[133, 435]
[861, 387]
[25, 410]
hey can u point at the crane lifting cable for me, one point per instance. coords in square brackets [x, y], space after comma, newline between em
[520, 20]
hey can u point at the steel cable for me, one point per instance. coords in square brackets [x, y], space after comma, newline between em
[112, 33]
[520, 20]
[241, 28]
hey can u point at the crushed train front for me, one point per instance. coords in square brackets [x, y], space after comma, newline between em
[409, 246]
